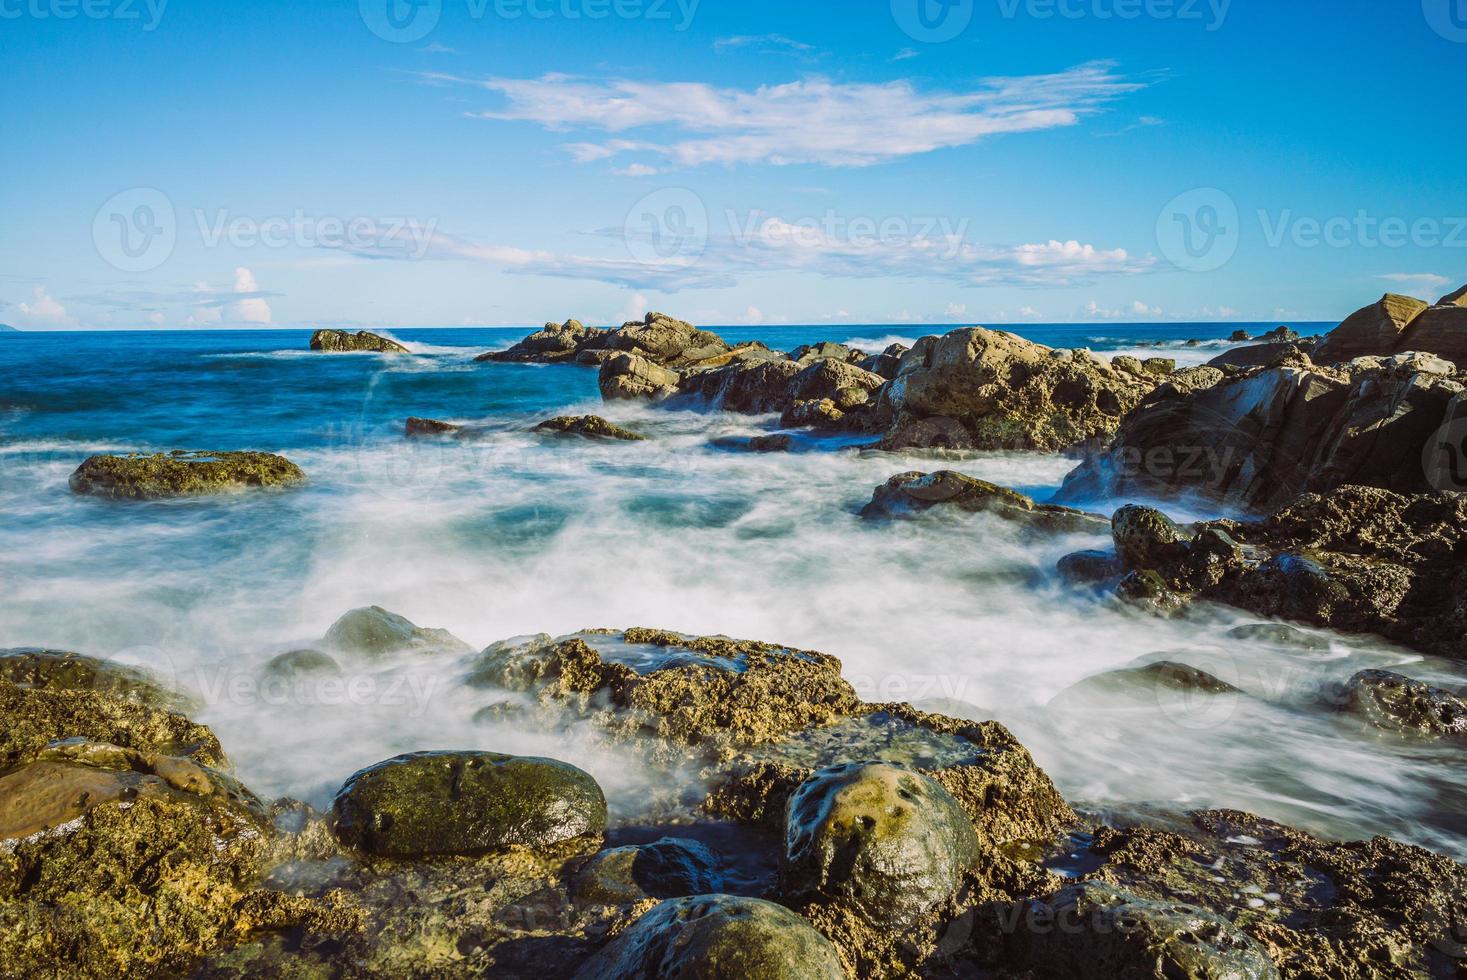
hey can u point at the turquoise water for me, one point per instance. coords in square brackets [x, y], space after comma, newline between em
[518, 534]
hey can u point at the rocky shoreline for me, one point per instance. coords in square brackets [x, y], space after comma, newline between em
[802, 831]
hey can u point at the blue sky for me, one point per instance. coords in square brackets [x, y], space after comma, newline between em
[506, 162]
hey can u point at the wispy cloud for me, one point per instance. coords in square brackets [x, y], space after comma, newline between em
[905, 54]
[768, 43]
[812, 121]
[42, 311]
[1425, 280]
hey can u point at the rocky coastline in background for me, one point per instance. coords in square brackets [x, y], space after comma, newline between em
[804, 832]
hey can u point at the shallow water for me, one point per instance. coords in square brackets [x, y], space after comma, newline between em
[519, 534]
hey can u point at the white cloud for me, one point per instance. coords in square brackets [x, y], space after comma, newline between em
[773, 43]
[43, 311]
[637, 170]
[1221, 313]
[815, 120]
[956, 310]
[249, 306]
[1425, 280]
[1137, 309]
[753, 316]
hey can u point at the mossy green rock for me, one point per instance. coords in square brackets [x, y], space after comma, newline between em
[889, 842]
[136, 476]
[339, 341]
[375, 632]
[1146, 538]
[466, 803]
[1094, 931]
[1399, 704]
[62, 670]
[717, 937]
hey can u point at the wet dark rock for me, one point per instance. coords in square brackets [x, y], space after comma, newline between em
[1239, 337]
[937, 433]
[1395, 703]
[888, 841]
[771, 444]
[1090, 567]
[590, 426]
[419, 427]
[1146, 538]
[1008, 393]
[1093, 931]
[908, 493]
[374, 632]
[1262, 355]
[1279, 635]
[339, 341]
[718, 937]
[887, 364]
[1149, 682]
[177, 474]
[466, 803]
[668, 868]
[813, 414]
[753, 387]
[1146, 587]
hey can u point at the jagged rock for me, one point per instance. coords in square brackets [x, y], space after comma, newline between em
[1239, 337]
[1281, 335]
[1377, 329]
[1090, 567]
[753, 387]
[1009, 393]
[718, 937]
[466, 803]
[136, 476]
[1262, 355]
[666, 341]
[938, 433]
[1146, 538]
[631, 376]
[887, 841]
[417, 427]
[1093, 931]
[591, 426]
[887, 364]
[844, 384]
[657, 339]
[554, 343]
[373, 632]
[686, 690]
[913, 492]
[668, 868]
[1394, 703]
[825, 350]
[1262, 437]
[339, 341]
[1458, 298]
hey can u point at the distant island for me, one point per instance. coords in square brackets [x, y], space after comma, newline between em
[5, 326]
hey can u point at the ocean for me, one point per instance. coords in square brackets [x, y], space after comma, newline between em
[517, 534]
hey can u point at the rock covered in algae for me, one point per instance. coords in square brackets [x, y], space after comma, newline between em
[913, 492]
[137, 476]
[466, 803]
[339, 341]
[888, 841]
[667, 868]
[374, 632]
[717, 937]
[590, 426]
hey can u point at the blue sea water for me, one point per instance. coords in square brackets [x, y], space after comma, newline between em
[516, 533]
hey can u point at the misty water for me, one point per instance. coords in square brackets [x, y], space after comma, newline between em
[517, 533]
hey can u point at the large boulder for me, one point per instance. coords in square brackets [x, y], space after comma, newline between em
[1009, 393]
[466, 803]
[634, 377]
[908, 493]
[179, 474]
[887, 841]
[717, 937]
[754, 386]
[1260, 438]
[843, 383]
[1441, 330]
[1375, 330]
[339, 342]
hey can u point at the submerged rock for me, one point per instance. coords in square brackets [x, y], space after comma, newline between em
[466, 803]
[1279, 635]
[1153, 682]
[717, 937]
[913, 492]
[141, 477]
[1395, 703]
[419, 427]
[1094, 931]
[299, 663]
[339, 341]
[888, 841]
[374, 632]
[591, 426]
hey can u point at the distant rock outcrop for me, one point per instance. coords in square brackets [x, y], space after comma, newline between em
[179, 474]
[341, 342]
